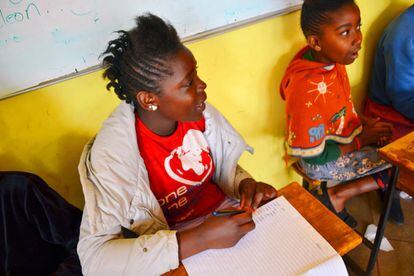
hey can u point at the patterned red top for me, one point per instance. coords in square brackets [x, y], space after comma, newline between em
[318, 106]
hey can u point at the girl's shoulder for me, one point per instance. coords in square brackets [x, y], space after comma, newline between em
[302, 75]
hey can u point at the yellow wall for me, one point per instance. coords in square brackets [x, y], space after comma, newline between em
[44, 131]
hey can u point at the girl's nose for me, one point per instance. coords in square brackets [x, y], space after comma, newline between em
[358, 38]
[201, 85]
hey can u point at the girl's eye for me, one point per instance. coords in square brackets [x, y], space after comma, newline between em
[345, 33]
[191, 81]
[188, 84]
[359, 26]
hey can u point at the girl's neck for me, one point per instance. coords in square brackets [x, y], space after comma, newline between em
[157, 124]
[320, 58]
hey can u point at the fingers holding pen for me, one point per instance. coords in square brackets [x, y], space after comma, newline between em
[242, 218]
[245, 221]
[226, 230]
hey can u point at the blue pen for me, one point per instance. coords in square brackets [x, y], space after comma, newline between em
[225, 212]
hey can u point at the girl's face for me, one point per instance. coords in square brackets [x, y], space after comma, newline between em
[182, 96]
[340, 39]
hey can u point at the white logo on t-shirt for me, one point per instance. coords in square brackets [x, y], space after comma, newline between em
[190, 156]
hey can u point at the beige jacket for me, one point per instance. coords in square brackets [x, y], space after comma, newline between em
[117, 195]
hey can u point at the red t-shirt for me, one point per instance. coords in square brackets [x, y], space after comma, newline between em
[180, 170]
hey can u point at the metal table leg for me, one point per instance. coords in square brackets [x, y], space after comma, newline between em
[383, 219]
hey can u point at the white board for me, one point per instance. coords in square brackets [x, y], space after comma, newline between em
[44, 41]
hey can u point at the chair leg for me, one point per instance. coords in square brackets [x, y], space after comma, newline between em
[324, 184]
[305, 184]
[383, 219]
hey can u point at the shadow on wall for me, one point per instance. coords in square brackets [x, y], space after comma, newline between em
[278, 71]
[44, 133]
[371, 38]
[64, 174]
[278, 127]
[61, 174]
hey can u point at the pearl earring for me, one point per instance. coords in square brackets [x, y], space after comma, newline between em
[153, 107]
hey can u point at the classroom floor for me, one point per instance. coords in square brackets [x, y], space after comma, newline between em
[366, 209]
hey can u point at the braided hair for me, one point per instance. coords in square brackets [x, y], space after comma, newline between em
[316, 13]
[137, 59]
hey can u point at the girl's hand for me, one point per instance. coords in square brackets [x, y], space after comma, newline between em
[375, 123]
[225, 231]
[378, 133]
[214, 232]
[371, 121]
[379, 124]
[253, 193]
[368, 121]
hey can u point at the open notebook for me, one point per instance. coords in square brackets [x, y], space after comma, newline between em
[283, 243]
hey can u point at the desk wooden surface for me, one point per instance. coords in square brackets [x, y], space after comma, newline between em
[401, 153]
[339, 235]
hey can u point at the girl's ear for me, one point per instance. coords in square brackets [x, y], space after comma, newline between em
[313, 42]
[147, 100]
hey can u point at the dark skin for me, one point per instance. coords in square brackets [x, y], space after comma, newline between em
[340, 38]
[253, 193]
[339, 41]
[182, 98]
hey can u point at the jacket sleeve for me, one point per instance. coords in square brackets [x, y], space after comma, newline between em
[103, 249]
[107, 252]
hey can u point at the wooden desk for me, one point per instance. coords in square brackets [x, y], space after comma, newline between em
[400, 154]
[342, 238]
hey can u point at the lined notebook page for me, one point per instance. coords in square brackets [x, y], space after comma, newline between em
[283, 243]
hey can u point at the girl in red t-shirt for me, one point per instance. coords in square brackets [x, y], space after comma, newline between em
[152, 70]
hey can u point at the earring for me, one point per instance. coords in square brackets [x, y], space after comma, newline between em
[153, 107]
[317, 48]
